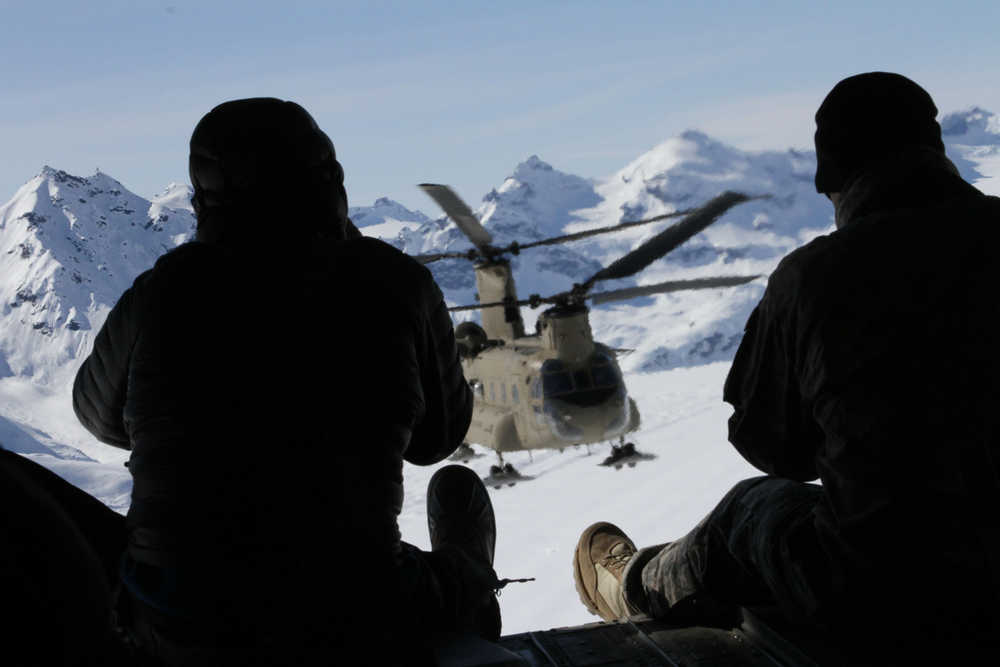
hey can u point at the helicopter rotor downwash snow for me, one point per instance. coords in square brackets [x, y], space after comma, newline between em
[558, 387]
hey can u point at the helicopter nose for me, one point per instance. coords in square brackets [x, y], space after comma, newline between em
[581, 424]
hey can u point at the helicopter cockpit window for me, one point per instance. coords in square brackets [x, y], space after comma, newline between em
[590, 385]
[556, 380]
[604, 372]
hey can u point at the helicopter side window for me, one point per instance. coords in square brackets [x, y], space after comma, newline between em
[536, 389]
[493, 393]
[503, 392]
[514, 398]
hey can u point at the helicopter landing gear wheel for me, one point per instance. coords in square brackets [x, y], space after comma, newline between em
[464, 453]
[503, 474]
[616, 455]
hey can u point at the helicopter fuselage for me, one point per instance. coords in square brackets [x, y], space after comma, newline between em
[527, 397]
[551, 390]
[558, 387]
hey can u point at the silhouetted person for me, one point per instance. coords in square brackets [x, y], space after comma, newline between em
[871, 363]
[270, 378]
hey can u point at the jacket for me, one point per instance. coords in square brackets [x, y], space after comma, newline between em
[872, 363]
[269, 397]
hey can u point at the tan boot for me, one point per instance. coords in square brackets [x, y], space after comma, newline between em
[598, 566]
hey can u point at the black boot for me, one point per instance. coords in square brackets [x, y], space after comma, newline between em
[460, 516]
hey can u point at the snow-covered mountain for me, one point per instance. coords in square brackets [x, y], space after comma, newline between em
[972, 139]
[535, 202]
[385, 218]
[538, 201]
[69, 246]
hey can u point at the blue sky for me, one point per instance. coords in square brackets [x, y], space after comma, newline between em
[458, 92]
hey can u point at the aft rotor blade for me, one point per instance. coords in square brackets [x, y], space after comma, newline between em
[619, 294]
[670, 238]
[427, 259]
[669, 286]
[459, 211]
[500, 304]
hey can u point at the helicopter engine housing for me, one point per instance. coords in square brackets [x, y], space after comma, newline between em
[566, 330]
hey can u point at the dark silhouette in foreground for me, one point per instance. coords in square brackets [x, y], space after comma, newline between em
[59, 553]
[872, 364]
[270, 378]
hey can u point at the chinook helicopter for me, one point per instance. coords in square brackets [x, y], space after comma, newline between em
[558, 387]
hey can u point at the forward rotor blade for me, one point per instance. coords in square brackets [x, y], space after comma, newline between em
[458, 210]
[518, 247]
[670, 238]
[669, 286]
[599, 230]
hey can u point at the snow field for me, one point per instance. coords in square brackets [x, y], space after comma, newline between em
[540, 520]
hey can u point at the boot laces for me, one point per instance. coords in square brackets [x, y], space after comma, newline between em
[617, 559]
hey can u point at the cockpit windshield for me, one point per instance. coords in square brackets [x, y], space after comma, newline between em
[588, 385]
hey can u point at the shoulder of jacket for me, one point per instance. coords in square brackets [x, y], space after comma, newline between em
[183, 255]
[814, 258]
[187, 256]
[179, 261]
[390, 257]
[991, 202]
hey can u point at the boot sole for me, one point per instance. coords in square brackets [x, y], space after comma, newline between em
[465, 477]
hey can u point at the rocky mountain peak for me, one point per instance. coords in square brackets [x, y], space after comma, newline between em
[386, 218]
[176, 196]
[533, 163]
[69, 246]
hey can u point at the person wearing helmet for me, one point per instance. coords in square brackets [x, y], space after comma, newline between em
[870, 364]
[268, 429]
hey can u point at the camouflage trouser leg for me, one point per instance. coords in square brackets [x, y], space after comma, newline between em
[757, 547]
